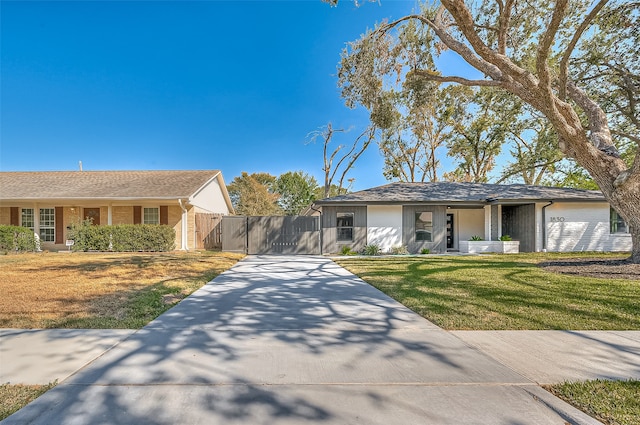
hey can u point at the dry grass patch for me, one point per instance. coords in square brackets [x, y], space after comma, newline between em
[82, 290]
[15, 397]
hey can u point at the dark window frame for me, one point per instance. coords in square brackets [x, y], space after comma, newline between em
[344, 226]
[423, 228]
[617, 225]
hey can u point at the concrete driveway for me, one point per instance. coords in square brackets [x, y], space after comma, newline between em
[294, 340]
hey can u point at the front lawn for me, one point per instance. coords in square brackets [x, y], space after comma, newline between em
[501, 292]
[15, 397]
[611, 402]
[100, 291]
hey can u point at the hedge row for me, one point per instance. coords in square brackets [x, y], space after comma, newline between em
[16, 238]
[123, 238]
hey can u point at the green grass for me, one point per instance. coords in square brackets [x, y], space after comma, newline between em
[14, 397]
[501, 292]
[611, 402]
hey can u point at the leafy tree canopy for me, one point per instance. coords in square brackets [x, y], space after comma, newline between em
[575, 62]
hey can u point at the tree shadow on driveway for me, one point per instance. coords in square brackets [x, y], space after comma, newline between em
[272, 340]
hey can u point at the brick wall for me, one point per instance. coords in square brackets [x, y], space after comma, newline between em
[582, 227]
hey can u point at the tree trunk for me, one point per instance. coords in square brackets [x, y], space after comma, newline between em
[635, 249]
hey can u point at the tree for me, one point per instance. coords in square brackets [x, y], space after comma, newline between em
[534, 147]
[252, 194]
[423, 123]
[569, 174]
[478, 136]
[333, 163]
[297, 190]
[542, 55]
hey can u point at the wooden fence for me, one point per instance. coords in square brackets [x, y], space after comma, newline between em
[208, 231]
[271, 235]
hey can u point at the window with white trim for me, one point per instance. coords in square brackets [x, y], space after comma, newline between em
[27, 218]
[48, 224]
[617, 223]
[151, 216]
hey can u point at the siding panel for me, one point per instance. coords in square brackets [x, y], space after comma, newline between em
[330, 233]
[439, 243]
[518, 221]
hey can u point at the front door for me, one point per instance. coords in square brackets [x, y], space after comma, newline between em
[92, 214]
[450, 236]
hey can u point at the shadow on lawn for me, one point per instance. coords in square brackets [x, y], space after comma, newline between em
[500, 293]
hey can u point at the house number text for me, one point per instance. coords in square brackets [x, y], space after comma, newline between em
[557, 219]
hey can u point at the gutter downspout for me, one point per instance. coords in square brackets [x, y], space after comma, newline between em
[544, 226]
[183, 227]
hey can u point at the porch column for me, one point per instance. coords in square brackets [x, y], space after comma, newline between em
[499, 220]
[109, 215]
[538, 226]
[36, 220]
[487, 222]
[184, 228]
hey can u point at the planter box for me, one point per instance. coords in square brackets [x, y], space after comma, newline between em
[478, 247]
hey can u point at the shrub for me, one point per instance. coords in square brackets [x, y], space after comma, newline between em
[425, 251]
[346, 250]
[122, 237]
[17, 239]
[505, 238]
[399, 250]
[476, 238]
[372, 249]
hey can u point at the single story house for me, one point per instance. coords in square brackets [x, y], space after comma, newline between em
[49, 202]
[439, 216]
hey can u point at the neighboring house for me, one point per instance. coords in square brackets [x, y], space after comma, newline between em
[49, 202]
[438, 216]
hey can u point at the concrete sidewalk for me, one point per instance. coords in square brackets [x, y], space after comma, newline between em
[292, 340]
[551, 357]
[41, 356]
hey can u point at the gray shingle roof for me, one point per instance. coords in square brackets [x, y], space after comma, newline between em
[460, 192]
[102, 184]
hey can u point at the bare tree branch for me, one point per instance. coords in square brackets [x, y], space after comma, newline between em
[564, 63]
[600, 133]
[453, 44]
[453, 79]
[370, 133]
[627, 136]
[503, 24]
[544, 47]
[466, 25]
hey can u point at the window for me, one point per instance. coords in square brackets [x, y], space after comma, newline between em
[345, 227]
[47, 224]
[424, 226]
[28, 218]
[151, 216]
[617, 223]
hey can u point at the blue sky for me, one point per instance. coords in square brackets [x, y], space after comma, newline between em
[229, 85]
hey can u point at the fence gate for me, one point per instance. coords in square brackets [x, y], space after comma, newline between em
[234, 234]
[208, 231]
[272, 235]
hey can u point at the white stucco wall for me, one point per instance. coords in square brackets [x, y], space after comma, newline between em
[582, 227]
[468, 223]
[210, 199]
[384, 226]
